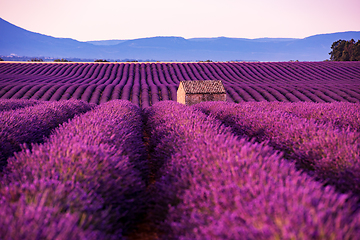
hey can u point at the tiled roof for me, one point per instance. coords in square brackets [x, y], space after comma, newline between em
[203, 86]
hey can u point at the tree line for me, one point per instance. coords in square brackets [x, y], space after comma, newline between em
[343, 50]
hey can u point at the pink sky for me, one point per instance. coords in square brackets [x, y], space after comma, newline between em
[116, 19]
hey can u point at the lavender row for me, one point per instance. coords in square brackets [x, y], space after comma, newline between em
[94, 73]
[13, 104]
[86, 181]
[339, 114]
[32, 124]
[328, 153]
[140, 78]
[171, 73]
[299, 93]
[44, 210]
[208, 184]
[143, 96]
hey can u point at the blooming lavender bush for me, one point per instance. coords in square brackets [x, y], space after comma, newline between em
[331, 154]
[45, 209]
[209, 171]
[88, 170]
[217, 186]
[341, 115]
[12, 104]
[32, 124]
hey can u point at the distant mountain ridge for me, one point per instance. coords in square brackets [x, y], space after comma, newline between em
[17, 41]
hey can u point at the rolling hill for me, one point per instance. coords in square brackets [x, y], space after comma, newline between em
[17, 41]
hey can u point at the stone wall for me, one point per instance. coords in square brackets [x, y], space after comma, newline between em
[191, 99]
[181, 94]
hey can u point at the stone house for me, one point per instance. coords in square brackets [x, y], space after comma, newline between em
[194, 91]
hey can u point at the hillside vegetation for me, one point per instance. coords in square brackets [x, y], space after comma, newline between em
[343, 50]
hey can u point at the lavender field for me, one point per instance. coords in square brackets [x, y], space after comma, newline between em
[215, 170]
[145, 84]
[99, 151]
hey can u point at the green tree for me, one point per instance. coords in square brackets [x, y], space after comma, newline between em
[36, 60]
[356, 52]
[343, 50]
[61, 60]
[100, 60]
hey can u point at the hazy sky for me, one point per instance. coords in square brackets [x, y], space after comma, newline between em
[116, 19]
